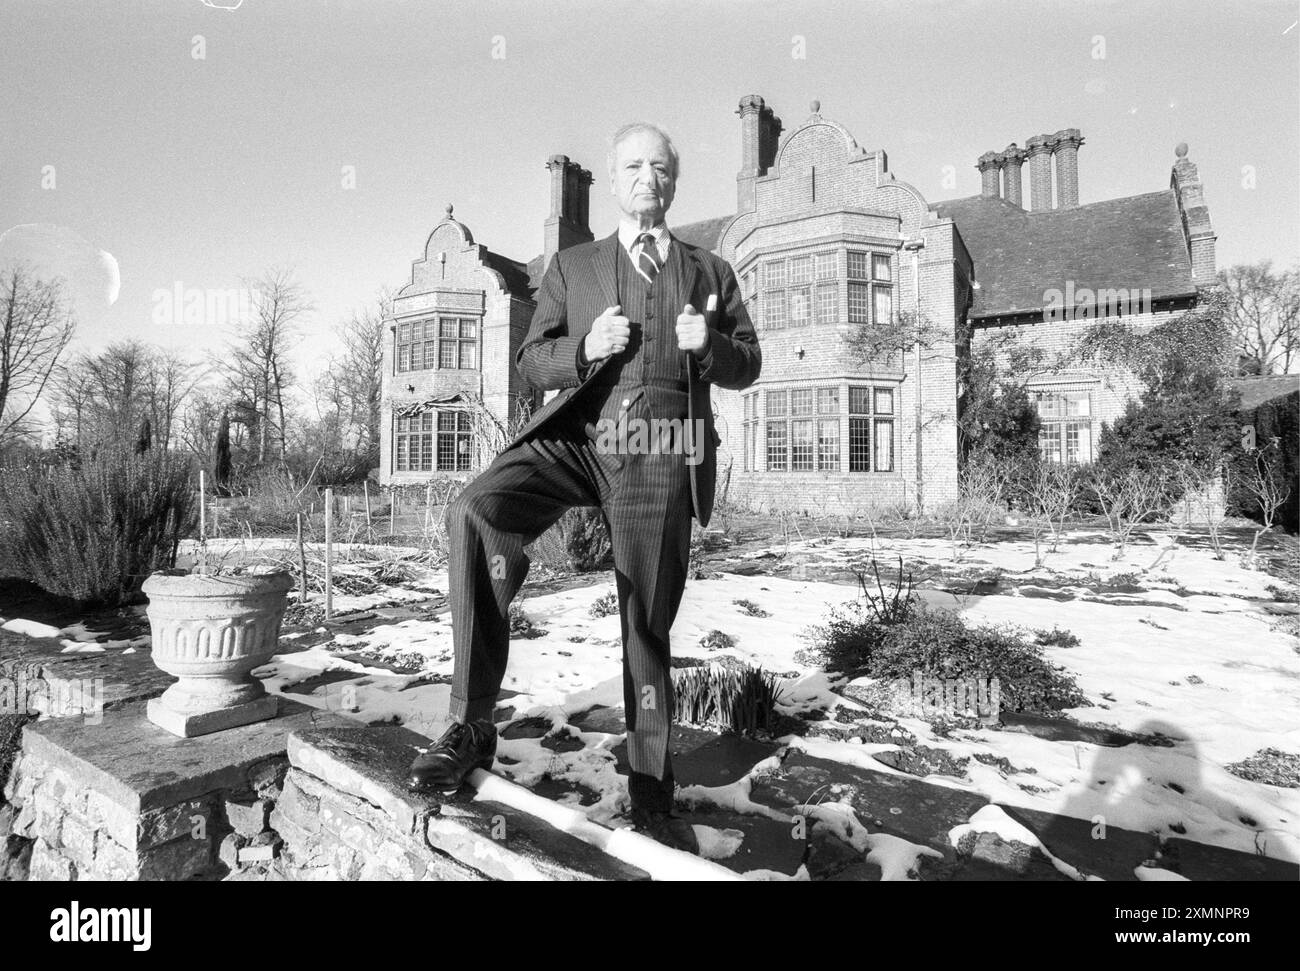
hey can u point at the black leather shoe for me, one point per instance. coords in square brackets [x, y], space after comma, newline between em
[665, 828]
[463, 748]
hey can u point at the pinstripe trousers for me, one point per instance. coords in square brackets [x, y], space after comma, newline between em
[646, 499]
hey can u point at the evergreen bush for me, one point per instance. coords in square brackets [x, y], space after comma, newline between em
[94, 532]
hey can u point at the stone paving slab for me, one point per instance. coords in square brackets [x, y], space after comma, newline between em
[902, 806]
[138, 765]
[498, 840]
[768, 843]
[126, 677]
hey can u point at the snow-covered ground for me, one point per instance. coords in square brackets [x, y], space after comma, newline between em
[1193, 656]
[1171, 641]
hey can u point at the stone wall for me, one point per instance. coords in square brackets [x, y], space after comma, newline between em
[331, 835]
[115, 797]
[80, 832]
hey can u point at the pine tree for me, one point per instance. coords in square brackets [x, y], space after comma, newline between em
[144, 440]
[221, 464]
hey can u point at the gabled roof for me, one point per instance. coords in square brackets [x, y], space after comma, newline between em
[1134, 242]
[513, 272]
[705, 233]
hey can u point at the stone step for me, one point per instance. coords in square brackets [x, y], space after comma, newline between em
[498, 841]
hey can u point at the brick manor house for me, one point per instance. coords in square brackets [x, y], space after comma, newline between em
[824, 239]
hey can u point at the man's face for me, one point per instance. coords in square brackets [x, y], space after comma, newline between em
[643, 180]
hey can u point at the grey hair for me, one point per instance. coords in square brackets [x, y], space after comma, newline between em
[633, 128]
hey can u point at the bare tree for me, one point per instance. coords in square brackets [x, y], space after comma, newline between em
[72, 389]
[1128, 498]
[36, 324]
[1263, 480]
[1053, 490]
[258, 370]
[348, 392]
[169, 379]
[119, 379]
[1207, 487]
[1264, 310]
[199, 423]
[363, 362]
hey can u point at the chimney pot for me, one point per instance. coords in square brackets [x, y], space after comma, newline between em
[1038, 149]
[760, 131]
[1012, 160]
[988, 166]
[570, 196]
[1066, 154]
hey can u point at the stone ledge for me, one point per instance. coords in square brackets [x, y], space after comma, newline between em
[370, 765]
[139, 766]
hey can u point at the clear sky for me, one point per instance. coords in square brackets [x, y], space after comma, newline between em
[203, 170]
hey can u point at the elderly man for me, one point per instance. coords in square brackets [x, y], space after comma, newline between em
[632, 330]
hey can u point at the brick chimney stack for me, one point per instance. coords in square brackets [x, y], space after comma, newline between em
[1067, 167]
[1012, 160]
[1197, 230]
[567, 225]
[989, 169]
[760, 132]
[1039, 150]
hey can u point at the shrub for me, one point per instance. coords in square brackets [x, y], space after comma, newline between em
[852, 631]
[1157, 437]
[1277, 429]
[996, 414]
[751, 608]
[937, 642]
[856, 641]
[605, 605]
[736, 699]
[1056, 637]
[891, 607]
[586, 539]
[848, 639]
[95, 532]
[1270, 766]
[521, 625]
[716, 640]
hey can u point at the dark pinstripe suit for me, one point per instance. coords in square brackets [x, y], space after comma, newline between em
[554, 464]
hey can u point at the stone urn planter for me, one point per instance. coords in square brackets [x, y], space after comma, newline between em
[211, 631]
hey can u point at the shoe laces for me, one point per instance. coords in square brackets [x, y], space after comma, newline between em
[456, 733]
[453, 735]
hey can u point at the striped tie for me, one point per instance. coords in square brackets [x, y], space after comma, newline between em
[647, 261]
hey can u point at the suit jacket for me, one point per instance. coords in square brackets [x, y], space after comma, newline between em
[577, 288]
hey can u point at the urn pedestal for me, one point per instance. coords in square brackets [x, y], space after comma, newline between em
[211, 632]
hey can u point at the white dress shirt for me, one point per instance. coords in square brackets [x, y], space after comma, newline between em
[628, 232]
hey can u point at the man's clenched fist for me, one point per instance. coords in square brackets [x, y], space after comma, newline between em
[692, 331]
[609, 334]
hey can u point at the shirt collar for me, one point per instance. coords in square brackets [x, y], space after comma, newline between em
[629, 231]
